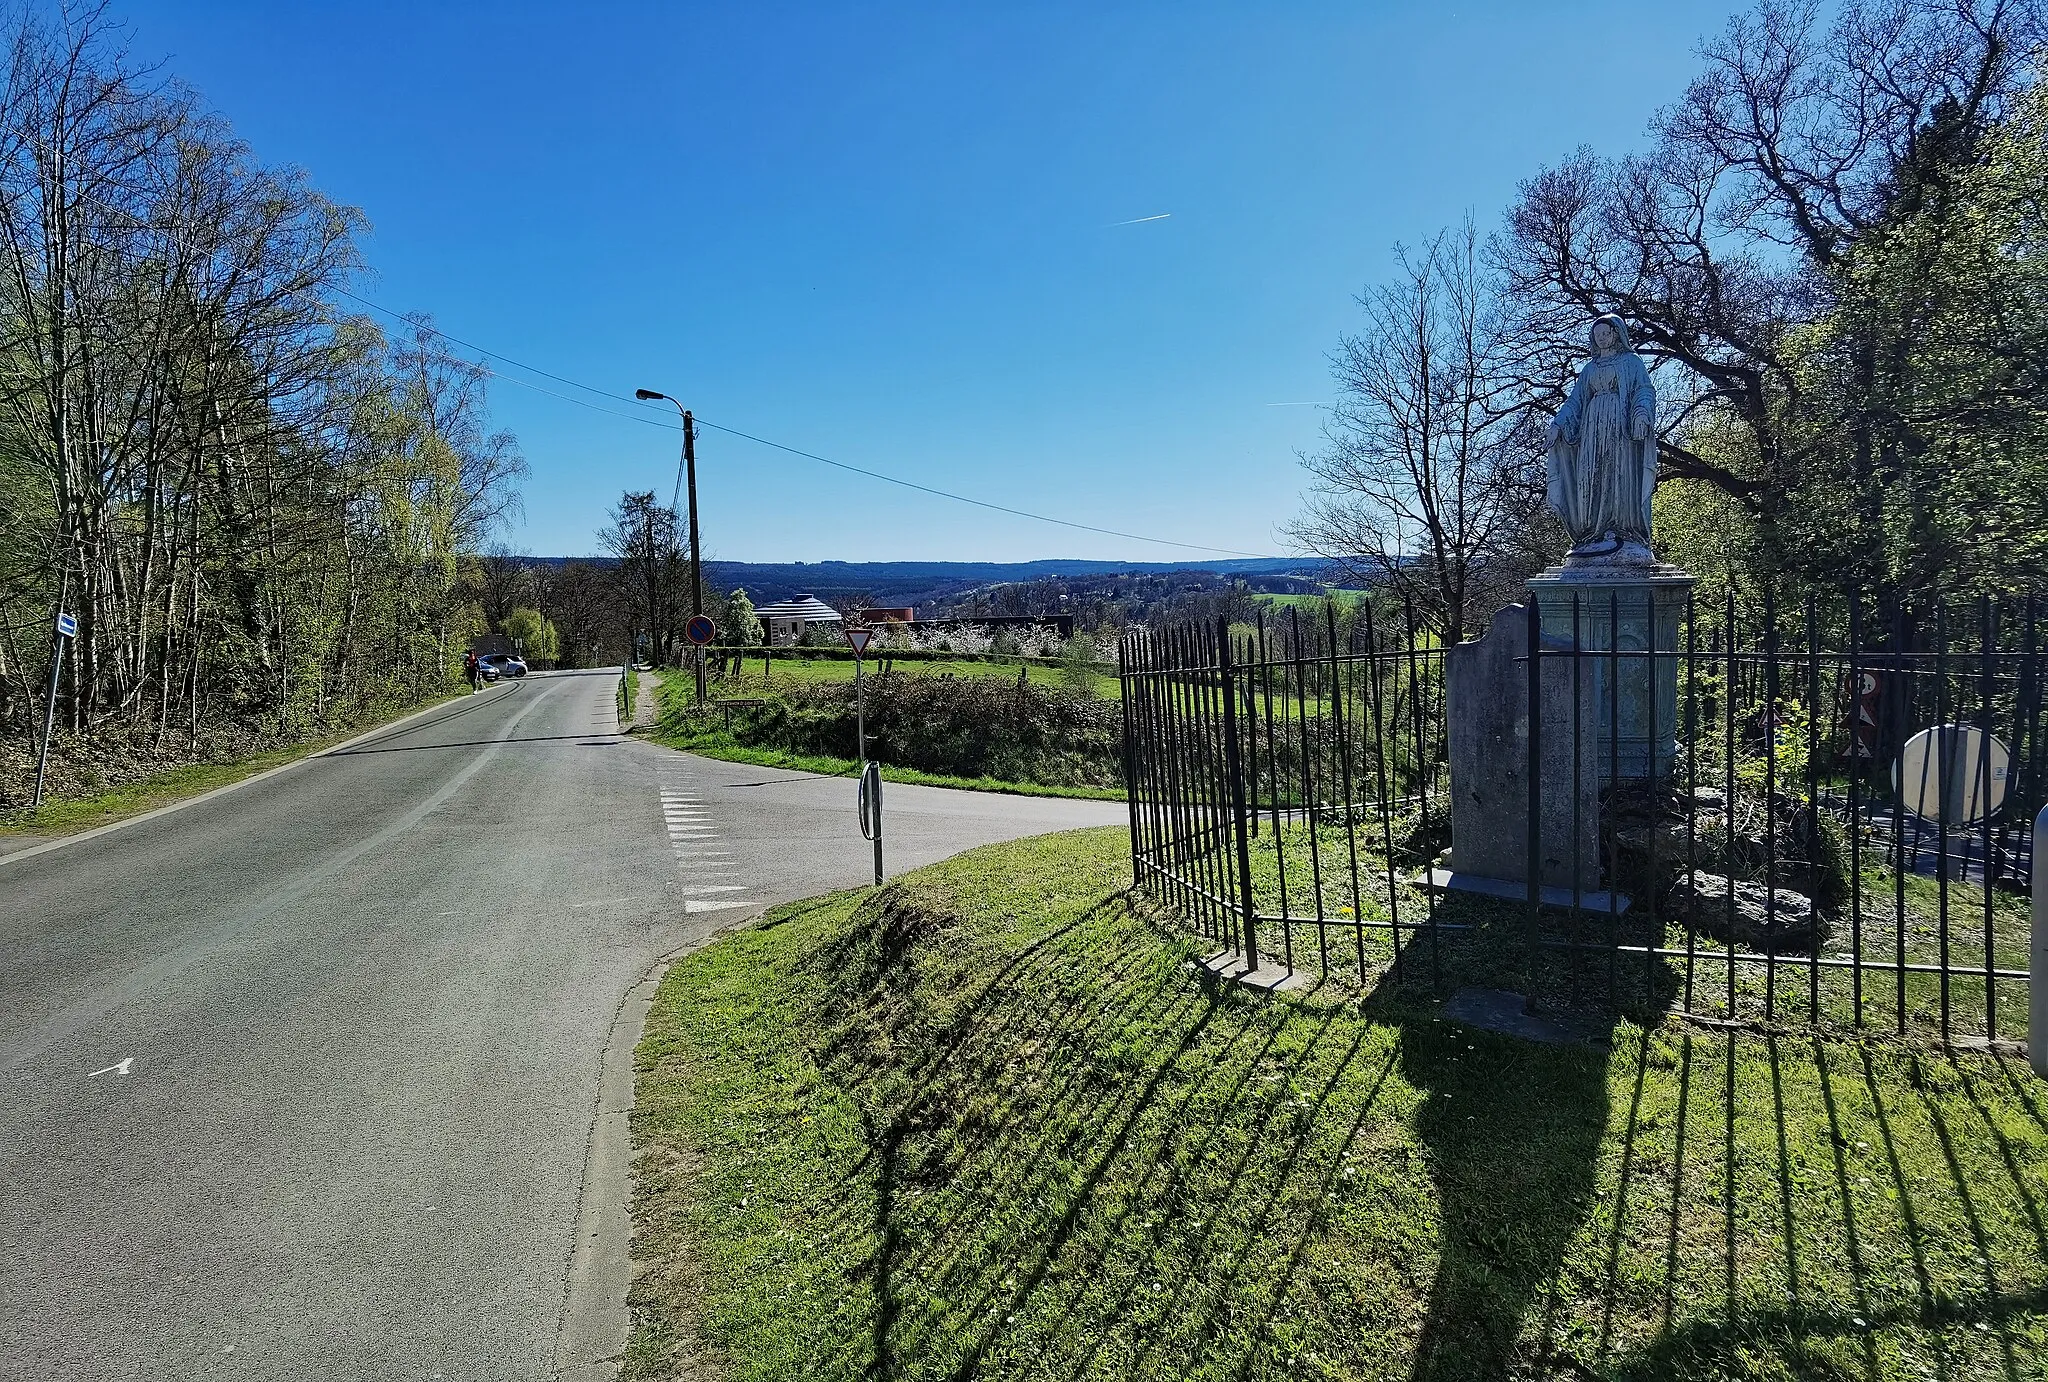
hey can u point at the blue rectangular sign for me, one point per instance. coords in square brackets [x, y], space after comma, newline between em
[67, 627]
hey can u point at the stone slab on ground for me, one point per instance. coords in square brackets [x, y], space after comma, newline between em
[1506, 1012]
[1589, 900]
[1270, 978]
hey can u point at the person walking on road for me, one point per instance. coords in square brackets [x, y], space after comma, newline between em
[469, 669]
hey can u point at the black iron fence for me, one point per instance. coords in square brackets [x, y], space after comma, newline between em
[1742, 815]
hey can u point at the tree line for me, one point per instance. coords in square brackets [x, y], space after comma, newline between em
[1833, 253]
[257, 504]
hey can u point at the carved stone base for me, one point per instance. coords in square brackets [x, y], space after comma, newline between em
[1622, 620]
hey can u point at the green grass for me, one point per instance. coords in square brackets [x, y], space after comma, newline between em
[69, 816]
[713, 742]
[988, 1122]
[629, 694]
[1485, 939]
[1309, 602]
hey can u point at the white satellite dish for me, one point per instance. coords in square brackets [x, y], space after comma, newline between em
[1941, 774]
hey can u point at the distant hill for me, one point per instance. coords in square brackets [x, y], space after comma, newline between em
[931, 582]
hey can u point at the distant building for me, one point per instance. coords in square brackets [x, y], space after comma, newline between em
[1061, 624]
[783, 623]
[903, 615]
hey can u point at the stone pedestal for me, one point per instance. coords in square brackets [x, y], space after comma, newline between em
[1487, 686]
[1623, 618]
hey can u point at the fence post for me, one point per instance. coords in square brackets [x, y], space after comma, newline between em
[2037, 968]
[1123, 669]
[1233, 764]
[1535, 764]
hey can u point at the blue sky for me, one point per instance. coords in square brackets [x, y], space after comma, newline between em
[886, 233]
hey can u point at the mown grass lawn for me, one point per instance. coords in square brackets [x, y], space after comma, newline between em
[991, 1122]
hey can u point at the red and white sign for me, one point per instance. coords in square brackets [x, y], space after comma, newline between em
[860, 638]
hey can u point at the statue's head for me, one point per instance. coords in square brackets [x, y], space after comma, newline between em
[1609, 334]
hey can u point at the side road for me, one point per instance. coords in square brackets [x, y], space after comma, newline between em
[300, 1076]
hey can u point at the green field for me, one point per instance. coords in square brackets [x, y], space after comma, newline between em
[990, 1122]
[791, 670]
[1310, 602]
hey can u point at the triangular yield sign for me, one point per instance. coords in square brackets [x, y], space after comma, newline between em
[859, 638]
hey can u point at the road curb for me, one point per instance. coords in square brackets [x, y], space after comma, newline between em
[590, 1340]
[64, 840]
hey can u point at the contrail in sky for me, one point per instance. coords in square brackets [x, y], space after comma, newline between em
[1140, 220]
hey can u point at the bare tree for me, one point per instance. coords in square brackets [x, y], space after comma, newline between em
[1800, 144]
[503, 582]
[1430, 482]
[653, 571]
[253, 502]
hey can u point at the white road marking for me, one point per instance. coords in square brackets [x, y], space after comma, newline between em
[711, 906]
[121, 1068]
[727, 888]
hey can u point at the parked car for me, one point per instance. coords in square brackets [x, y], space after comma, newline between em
[497, 665]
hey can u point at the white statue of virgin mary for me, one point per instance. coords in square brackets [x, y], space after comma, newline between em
[1603, 452]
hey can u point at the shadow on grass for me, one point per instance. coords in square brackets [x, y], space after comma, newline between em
[1514, 1161]
[1081, 1157]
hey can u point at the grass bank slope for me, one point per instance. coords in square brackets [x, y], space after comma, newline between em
[989, 1122]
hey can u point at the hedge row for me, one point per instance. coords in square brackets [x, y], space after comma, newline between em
[962, 727]
[899, 655]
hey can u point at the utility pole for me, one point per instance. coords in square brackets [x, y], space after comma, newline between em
[696, 548]
[689, 468]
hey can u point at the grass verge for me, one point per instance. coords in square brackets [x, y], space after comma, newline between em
[71, 815]
[990, 1122]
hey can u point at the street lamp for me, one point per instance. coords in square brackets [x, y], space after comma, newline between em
[689, 467]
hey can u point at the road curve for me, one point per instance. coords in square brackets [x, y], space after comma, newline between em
[298, 1081]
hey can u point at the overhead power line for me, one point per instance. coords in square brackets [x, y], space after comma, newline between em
[978, 503]
[662, 423]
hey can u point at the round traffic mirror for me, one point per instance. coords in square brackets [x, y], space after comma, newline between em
[1953, 774]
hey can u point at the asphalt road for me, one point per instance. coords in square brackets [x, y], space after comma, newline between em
[298, 1081]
